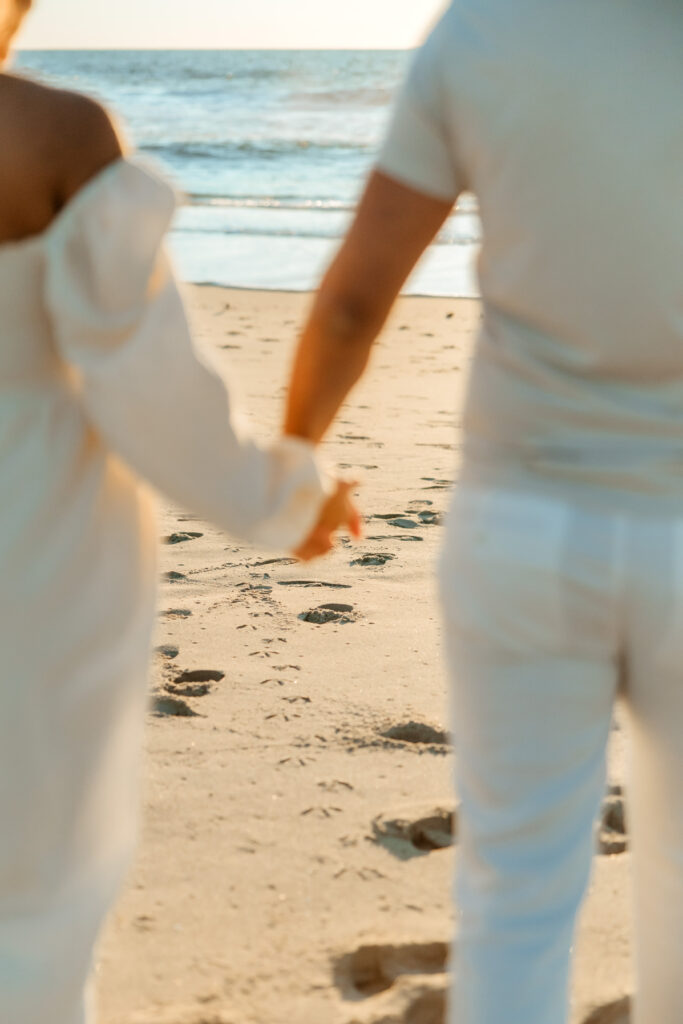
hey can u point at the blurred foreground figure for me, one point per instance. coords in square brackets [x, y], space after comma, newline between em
[562, 574]
[100, 388]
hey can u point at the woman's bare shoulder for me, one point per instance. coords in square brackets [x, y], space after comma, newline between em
[87, 138]
[55, 142]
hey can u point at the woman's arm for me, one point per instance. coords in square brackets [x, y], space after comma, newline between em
[118, 320]
[392, 228]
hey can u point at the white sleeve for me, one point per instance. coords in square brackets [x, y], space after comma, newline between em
[418, 149]
[119, 320]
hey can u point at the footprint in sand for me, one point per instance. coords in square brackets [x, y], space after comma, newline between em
[399, 520]
[276, 561]
[612, 837]
[445, 446]
[176, 613]
[200, 675]
[396, 984]
[190, 690]
[168, 651]
[324, 613]
[427, 1005]
[385, 536]
[197, 683]
[618, 1012]
[181, 537]
[173, 707]
[313, 583]
[435, 484]
[372, 969]
[373, 558]
[415, 833]
[429, 518]
[417, 733]
[417, 509]
[409, 1002]
[174, 577]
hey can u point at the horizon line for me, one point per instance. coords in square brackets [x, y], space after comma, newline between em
[210, 49]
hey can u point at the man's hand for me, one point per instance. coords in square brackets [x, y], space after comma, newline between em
[339, 511]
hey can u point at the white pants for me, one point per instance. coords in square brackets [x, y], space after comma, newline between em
[68, 815]
[549, 609]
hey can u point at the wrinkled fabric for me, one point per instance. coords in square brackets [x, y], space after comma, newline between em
[101, 393]
[549, 611]
[565, 120]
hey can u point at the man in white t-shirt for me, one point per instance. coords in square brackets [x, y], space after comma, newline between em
[562, 575]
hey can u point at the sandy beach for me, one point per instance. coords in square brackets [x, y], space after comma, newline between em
[296, 849]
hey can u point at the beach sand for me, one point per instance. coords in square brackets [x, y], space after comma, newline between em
[295, 855]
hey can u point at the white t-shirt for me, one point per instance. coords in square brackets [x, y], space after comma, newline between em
[565, 117]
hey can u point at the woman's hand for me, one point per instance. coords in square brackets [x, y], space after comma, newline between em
[338, 512]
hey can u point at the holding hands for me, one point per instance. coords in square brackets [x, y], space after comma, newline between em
[338, 512]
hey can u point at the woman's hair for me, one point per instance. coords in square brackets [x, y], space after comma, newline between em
[11, 15]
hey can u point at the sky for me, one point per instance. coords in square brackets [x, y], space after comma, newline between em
[228, 24]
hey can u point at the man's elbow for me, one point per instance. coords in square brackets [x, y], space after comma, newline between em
[349, 318]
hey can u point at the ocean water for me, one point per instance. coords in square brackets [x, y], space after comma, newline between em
[270, 150]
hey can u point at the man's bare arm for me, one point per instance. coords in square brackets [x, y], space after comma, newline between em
[393, 226]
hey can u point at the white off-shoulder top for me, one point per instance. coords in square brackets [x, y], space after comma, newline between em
[102, 392]
[116, 316]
